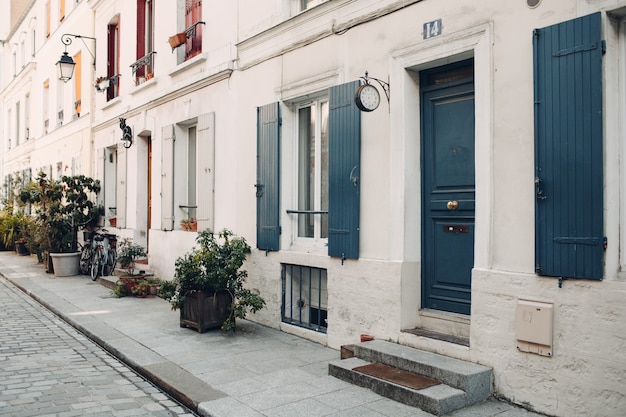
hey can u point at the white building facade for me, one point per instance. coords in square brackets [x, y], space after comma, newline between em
[477, 211]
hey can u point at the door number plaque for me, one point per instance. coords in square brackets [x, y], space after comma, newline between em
[432, 29]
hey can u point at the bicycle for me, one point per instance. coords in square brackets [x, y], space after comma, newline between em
[99, 254]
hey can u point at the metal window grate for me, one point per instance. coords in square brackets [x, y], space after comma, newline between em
[305, 297]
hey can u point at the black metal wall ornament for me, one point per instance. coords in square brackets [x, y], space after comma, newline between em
[127, 133]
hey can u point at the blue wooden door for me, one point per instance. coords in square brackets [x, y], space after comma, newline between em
[448, 187]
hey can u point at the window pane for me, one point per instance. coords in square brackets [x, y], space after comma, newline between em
[306, 170]
[191, 171]
[324, 168]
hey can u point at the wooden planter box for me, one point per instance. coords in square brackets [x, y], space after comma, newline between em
[202, 311]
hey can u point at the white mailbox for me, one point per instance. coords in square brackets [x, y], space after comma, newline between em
[533, 321]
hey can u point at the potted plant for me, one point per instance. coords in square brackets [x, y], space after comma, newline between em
[102, 83]
[65, 207]
[12, 230]
[190, 224]
[128, 253]
[178, 40]
[208, 285]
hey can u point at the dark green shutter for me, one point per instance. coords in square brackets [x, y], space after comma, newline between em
[344, 166]
[268, 180]
[568, 149]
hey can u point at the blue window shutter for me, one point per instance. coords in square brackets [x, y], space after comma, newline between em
[344, 164]
[569, 234]
[268, 177]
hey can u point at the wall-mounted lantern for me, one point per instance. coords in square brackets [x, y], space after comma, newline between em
[65, 64]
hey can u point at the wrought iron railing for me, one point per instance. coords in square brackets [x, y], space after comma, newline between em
[114, 86]
[143, 68]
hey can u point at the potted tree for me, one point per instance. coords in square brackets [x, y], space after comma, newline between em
[208, 285]
[65, 207]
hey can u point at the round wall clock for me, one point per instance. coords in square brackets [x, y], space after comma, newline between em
[367, 97]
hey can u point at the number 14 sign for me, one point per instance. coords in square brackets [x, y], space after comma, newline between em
[432, 29]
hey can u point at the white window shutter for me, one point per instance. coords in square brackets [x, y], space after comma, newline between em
[167, 178]
[205, 193]
[120, 203]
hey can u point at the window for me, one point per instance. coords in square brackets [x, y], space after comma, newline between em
[27, 117]
[193, 15]
[9, 127]
[17, 123]
[185, 172]
[113, 54]
[143, 67]
[307, 4]
[22, 54]
[46, 104]
[47, 19]
[312, 171]
[60, 102]
[329, 144]
[305, 297]
[188, 166]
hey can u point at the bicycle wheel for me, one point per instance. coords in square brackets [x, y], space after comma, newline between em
[95, 265]
[110, 262]
[112, 259]
[85, 259]
[104, 267]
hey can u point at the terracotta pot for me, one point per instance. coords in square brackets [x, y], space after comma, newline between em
[366, 337]
[113, 221]
[178, 39]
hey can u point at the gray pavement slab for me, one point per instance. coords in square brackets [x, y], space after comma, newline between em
[256, 371]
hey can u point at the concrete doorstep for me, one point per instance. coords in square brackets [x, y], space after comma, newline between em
[462, 383]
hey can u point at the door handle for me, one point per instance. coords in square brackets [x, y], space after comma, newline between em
[452, 205]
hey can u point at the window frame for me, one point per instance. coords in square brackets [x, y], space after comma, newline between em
[317, 241]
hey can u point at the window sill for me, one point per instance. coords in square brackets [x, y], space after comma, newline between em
[111, 103]
[304, 245]
[146, 84]
[183, 66]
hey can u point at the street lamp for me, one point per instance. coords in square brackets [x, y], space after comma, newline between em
[65, 67]
[65, 64]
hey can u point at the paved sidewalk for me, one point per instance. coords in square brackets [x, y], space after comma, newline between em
[254, 372]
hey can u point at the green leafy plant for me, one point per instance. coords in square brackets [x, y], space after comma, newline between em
[214, 266]
[119, 290]
[13, 228]
[128, 253]
[62, 208]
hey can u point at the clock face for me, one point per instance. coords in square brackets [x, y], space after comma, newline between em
[367, 97]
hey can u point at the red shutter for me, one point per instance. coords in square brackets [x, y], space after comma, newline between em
[193, 14]
[141, 35]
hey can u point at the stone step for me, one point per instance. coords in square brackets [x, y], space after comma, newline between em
[462, 383]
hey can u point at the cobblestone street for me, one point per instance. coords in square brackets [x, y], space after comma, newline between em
[48, 368]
